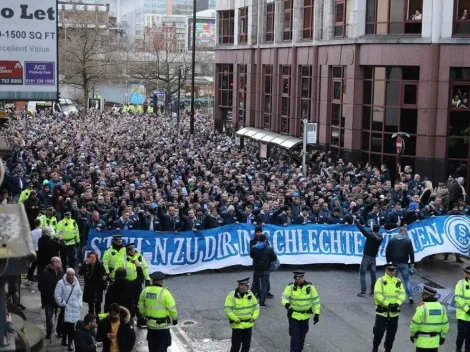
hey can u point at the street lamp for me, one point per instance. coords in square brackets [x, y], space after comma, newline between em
[304, 156]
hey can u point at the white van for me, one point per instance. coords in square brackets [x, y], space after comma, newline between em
[64, 106]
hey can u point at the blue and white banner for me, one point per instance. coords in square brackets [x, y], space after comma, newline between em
[178, 253]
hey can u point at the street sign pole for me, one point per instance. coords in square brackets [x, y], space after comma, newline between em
[304, 156]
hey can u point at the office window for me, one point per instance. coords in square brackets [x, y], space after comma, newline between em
[270, 12]
[461, 18]
[390, 98]
[285, 71]
[340, 18]
[242, 81]
[288, 14]
[337, 122]
[394, 17]
[226, 23]
[225, 73]
[305, 86]
[268, 94]
[308, 19]
[243, 25]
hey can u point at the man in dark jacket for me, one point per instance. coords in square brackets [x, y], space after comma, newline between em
[263, 256]
[125, 335]
[32, 206]
[369, 255]
[398, 252]
[171, 222]
[47, 248]
[46, 285]
[395, 218]
[84, 331]
[120, 291]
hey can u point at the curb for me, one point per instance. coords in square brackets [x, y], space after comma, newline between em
[427, 278]
[185, 340]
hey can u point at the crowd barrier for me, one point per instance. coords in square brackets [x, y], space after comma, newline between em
[192, 251]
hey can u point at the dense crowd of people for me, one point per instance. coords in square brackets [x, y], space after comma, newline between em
[108, 171]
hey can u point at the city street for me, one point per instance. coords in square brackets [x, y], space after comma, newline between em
[346, 320]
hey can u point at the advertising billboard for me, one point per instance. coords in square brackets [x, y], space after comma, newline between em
[28, 50]
[205, 33]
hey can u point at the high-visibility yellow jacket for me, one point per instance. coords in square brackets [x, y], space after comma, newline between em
[429, 324]
[150, 109]
[48, 222]
[24, 195]
[158, 305]
[241, 307]
[110, 257]
[68, 229]
[388, 290]
[126, 261]
[303, 300]
[462, 299]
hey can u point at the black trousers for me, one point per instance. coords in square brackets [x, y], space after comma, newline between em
[159, 340]
[68, 332]
[241, 338]
[136, 291]
[298, 330]
[382, 324]
[32, 268]
[418, 349]
[94, 303]
[463, 334]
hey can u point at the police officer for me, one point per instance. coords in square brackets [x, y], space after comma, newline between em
[48, 219]
[242, 309]
[389, 294]
[462, 302]
[157, 304]
[429, 326]
[112, 254]
[68, 234]
[132, 261]
[301, 300]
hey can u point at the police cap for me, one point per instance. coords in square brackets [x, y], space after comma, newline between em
[130, 245]
[390, 266]
[157, 276]
[117, 237]
[429, 290]
[42, 207]
[299, 274]
[68, 213]
[49, 208]
[467, 269]
[244, 281]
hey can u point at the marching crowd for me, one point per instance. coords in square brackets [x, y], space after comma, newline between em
[108, 171]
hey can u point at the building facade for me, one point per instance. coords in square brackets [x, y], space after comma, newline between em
[362, 69]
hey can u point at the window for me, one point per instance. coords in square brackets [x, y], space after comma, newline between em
[285, 72]
[459, 121]
[395, 17]
[390, 98]
[340, 18]
[226, 23]
[270, 12]
[242, 81]
[225, 73]
[288, 13]
[308, 19]
[305, 92]
[337, 90]
[462, 18]
[268, 94]
[243, 25]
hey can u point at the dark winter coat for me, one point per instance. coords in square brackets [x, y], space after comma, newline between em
[84, 339]
[94, 283]
[120, 292]
[47, 283]
[47, 248]
[262, 257]
[125, 334]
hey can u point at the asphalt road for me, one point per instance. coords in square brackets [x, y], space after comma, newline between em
[346, 321]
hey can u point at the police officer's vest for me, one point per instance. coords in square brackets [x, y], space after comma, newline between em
[429, 324]
[24, 195]
[111, 257]
[68, 229]
[462, 300]
[242, 308]
[388, 290]
[128, 263]
[304, 301]
[159, 306]
[48, 222]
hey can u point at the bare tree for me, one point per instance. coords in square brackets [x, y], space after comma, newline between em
[87, 52]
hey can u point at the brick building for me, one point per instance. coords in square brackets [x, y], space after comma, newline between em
[361, 69]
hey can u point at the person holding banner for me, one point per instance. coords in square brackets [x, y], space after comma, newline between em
[301, 300]
[242, 310]
[389, 295]
[430, 325]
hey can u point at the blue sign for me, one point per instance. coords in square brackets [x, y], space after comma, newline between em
[137, 98]
[177, 253]
[39, 73]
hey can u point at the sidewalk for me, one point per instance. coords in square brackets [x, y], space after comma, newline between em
[31, 299]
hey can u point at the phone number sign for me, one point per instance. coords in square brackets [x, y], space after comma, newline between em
[40, 73]
[11, 72]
